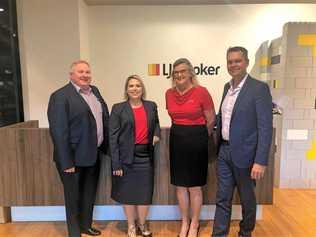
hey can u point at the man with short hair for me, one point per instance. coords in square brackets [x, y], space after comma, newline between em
[244, 132]
[78, 122]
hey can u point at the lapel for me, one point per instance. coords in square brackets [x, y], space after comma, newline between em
[241, 95]
[129, 111]
[148, 113]
[101, 101]
[99, 98]
[78, 97]
[94, 91]
[219, 116]
[82, 101]
[224, 94]
[130, 114]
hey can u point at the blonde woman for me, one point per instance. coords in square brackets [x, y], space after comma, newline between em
[134, 130]
[191, 109]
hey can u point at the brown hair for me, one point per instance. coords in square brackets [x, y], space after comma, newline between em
[243, 50]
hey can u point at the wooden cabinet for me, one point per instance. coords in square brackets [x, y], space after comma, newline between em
[28, 175]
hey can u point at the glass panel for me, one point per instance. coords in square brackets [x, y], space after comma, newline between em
[11, 103]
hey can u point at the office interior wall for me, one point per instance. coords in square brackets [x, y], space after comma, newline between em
[122, 40]
[84, 30]
[125, 39]
[49, 41]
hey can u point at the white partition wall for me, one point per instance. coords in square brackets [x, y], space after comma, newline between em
[122, 40]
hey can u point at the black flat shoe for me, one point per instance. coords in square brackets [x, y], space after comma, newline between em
[248, 234]
[91, 231]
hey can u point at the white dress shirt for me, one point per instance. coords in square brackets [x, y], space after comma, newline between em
[228, 106]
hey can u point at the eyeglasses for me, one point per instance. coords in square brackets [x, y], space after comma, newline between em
[178, 73]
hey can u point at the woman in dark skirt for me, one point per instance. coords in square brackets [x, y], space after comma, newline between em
[191, 109]
[134, 130]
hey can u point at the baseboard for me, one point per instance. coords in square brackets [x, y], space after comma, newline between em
[115, 212]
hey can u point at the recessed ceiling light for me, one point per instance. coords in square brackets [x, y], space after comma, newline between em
[1, 10]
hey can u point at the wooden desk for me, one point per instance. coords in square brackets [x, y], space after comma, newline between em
[28, 176]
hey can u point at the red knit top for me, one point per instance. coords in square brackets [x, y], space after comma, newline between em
[188, 109]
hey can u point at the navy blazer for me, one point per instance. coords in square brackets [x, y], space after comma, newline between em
[122, 131]
[73, 127]
[250, 131]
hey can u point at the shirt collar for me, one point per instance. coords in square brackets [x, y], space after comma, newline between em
[79, 90]
[239, 85]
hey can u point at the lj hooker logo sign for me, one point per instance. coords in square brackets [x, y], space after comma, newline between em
[166, 69]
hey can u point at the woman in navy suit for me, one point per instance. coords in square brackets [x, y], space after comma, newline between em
[134, 130]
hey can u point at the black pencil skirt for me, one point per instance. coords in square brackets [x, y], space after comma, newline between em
[135, 187]
[188, 155]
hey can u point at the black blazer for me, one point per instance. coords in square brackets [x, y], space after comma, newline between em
[122, 131]
[250, 131]
[73, 127]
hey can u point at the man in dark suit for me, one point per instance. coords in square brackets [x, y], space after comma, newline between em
[78, 122]
[244, 129]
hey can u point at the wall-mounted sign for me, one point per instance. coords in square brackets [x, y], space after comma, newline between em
[166, 69]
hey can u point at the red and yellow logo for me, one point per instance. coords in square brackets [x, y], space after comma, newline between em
[153, 69]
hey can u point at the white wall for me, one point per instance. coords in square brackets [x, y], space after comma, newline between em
[49, 41]
[123, 40]
[84, 35]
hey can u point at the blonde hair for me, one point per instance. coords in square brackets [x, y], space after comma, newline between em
[139, 79]
[185, 61]
[75, 63]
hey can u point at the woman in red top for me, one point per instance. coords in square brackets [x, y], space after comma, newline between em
[134, 130]
[191, 109]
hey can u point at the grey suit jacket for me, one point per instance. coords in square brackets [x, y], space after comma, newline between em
[250, 130]
[122, 131]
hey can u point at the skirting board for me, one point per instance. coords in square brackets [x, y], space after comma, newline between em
[115, 212]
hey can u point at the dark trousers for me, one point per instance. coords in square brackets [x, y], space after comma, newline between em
[228, 177]
[79, 192]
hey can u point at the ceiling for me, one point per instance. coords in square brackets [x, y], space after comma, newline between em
[189, 2]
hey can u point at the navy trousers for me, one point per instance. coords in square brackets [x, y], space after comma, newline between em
[80, 192]
[228, 177]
